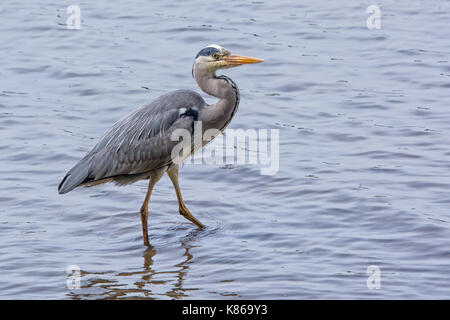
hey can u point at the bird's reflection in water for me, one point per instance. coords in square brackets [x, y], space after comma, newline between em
[115, 285]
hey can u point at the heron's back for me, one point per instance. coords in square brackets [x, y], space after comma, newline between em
[138, 143]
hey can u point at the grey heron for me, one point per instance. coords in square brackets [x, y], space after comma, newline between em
[139, 146]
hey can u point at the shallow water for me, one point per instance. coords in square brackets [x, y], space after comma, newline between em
[363, 118]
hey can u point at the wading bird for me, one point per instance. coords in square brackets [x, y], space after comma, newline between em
[139, 146]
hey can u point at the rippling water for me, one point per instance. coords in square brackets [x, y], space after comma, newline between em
[363, 117]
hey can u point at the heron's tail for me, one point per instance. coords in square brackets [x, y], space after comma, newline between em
[75, 176]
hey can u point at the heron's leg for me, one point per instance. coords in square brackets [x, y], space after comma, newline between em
[173, 175]
[144, 209]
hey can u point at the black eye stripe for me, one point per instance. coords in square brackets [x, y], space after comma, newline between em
[207, 52]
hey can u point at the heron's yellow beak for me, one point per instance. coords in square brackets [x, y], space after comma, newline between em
[234, 60]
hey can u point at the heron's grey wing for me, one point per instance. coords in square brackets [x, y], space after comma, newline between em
[138, 143]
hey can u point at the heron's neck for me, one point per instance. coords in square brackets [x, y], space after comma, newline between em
[218, 115]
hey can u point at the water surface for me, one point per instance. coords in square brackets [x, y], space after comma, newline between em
[363, 117]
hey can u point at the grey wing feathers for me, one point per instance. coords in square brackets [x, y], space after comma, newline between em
[136, 144]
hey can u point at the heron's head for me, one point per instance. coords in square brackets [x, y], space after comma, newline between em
[215, 57]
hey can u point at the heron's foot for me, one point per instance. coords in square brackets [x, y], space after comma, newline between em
[144, 220]
[188, 215]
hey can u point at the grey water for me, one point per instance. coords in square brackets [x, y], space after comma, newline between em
[363, 117]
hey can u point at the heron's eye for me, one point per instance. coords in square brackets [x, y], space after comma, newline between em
[215, 56]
